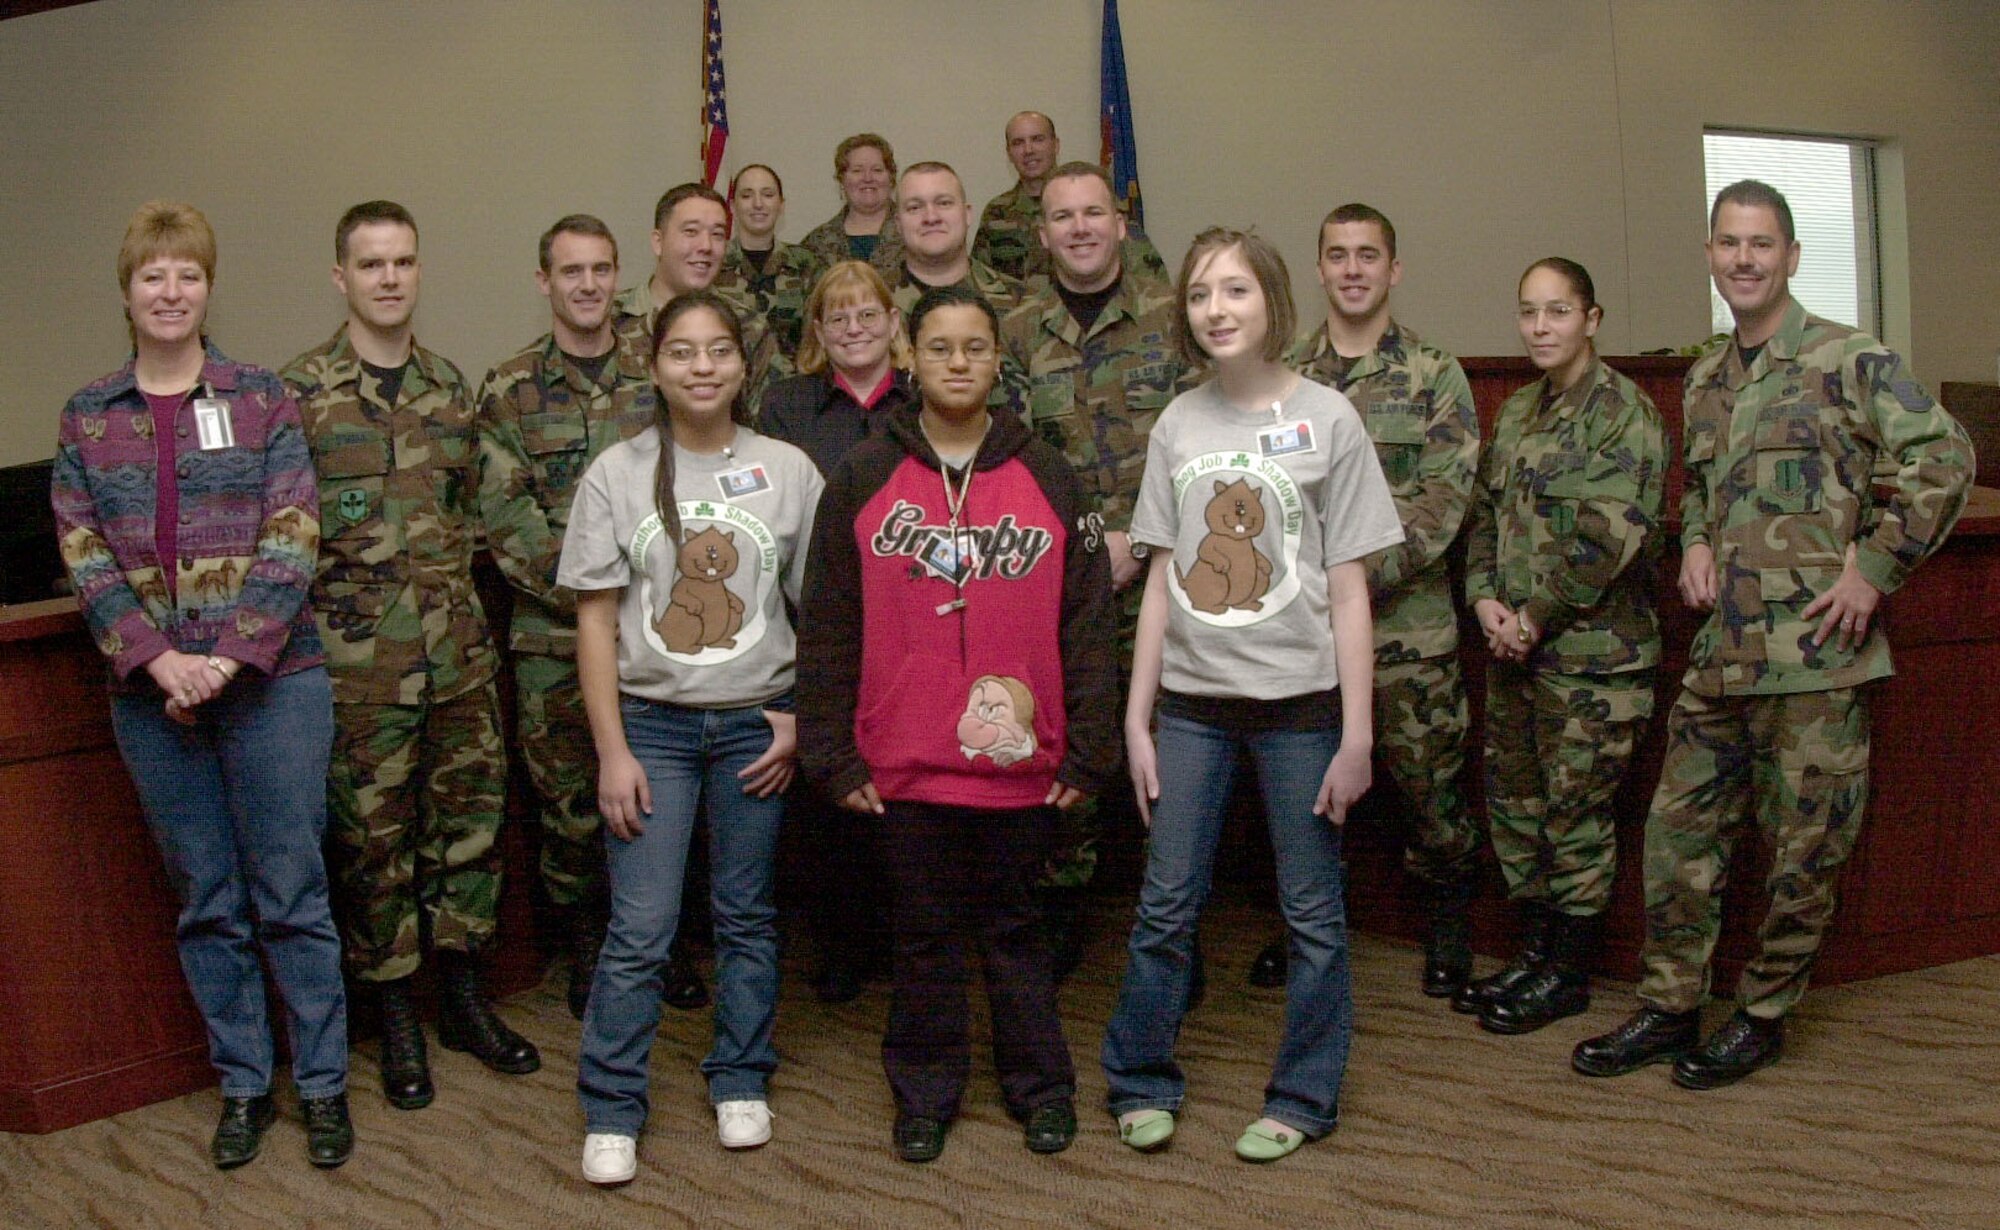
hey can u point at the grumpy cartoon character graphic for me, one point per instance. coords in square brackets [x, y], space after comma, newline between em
[998, 722]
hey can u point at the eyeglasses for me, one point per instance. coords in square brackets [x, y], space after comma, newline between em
[681, 354]
[1558, 311]
[868, 318]
[977, 350]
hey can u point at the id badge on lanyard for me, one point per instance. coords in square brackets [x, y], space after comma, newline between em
[212, 425]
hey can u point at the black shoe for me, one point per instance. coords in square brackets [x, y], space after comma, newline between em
[919, 1138]
[1051, 1127]
[239, 1134]
[1648, 1036]
[466, 1021]
[1475, 996]
[1448, 942]
[406, 1068]
[1545, 997]
[329, 1132]
[1744, 1044]
[586, 940]
[1269, 968]
[681, 986]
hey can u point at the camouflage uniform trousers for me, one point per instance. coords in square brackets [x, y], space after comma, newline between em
[1072, 857]
[1557, 746]
[1421, 719]
[415, 798]
[1799, 764]
[562, 765]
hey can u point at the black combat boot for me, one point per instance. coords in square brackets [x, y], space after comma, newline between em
[466, 1021]
[406, 1067]
[587, 921]
[329, 1131]
[1648, 1036]
[1559, 988]
[239, 1134]
[1744, 1044]
[1474, 996]
[1448, 942]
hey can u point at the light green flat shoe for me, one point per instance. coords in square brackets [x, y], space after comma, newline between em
[1146, 1130]
[1260, 1144]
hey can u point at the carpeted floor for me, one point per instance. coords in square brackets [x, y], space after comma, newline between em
[1885, 1112]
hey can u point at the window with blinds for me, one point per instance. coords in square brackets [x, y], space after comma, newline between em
[1830, 184]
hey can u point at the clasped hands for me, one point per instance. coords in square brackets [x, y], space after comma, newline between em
[190, 680]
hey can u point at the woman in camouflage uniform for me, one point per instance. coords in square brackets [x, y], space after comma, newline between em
[774, 274]
[1558, 570]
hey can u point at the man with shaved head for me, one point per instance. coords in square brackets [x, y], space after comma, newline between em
[1010, 227]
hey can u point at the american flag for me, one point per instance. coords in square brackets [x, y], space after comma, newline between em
[715, 100]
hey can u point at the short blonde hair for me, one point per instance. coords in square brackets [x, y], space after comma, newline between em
[166, 228]
[845, 283]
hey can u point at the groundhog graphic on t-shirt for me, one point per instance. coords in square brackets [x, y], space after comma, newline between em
[702, 613]
[999, 721]
[1229, 572]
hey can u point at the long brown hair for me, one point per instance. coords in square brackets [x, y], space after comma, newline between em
[739, 406]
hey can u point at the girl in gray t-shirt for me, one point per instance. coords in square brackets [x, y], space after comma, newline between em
[1261, 496]
[683, 546]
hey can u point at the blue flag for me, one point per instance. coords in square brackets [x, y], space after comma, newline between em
[1120, 154]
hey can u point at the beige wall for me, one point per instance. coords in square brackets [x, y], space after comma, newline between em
[1493, 133]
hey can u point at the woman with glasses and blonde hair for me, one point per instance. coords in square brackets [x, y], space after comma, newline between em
[855, 360]
[1559, 570]
[188, 516]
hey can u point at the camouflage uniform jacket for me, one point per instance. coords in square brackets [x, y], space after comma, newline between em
[1009, 239]
[764, 356]
[779, 292]
[1783, 465]
[541, 423]
[1095, 396]
[1418, 410]
[828, 243]
[1564, 518]
[1003, 292]
[248, 525]
[398, 514]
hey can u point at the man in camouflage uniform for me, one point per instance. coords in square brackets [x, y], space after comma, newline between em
[417, 786]
[777, 292]
[690, 241]
[1089, 359]
[1417, 407]
[544, 415]
[1009, 236]
[1819, 474]
[933, 218]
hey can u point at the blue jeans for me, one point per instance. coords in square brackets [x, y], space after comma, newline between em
[237, 803]
[1196, 768]
[691, 757]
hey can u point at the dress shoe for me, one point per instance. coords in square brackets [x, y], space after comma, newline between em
[1648, 1036]
[1448, 941]
[743, 1124]
[1262, 1144]
[239, 1134]
[1744, 1044]
[1051, 1127]
[1268, 969]
[406, 1068]
[586, 940]
[329, 1132]
[610, 1158]
[681, 986]
[1536, 924]
[466, 1021]
[1146, 1130]
[919, 1138]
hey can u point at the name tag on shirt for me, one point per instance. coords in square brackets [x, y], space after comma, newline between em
[749, 480]
[1285, 438]
[952, 560]
[211, 423]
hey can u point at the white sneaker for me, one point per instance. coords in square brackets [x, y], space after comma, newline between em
[743, 1125]
[610, 1158]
